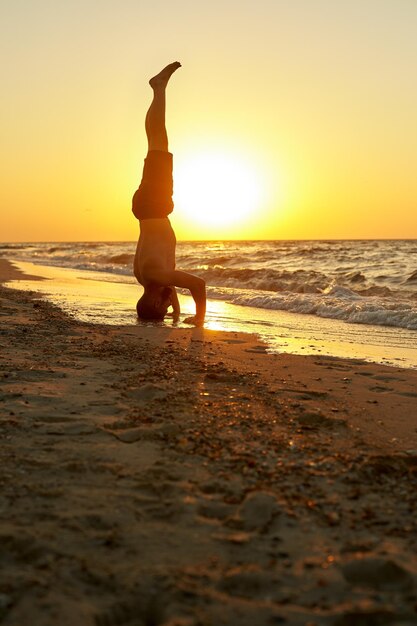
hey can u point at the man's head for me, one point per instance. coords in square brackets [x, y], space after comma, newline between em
[154, 303]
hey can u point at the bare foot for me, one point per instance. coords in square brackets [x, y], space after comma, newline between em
[161, 79]
[194, 320]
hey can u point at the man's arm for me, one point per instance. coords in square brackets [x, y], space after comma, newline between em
[196, 285]
[176, 309]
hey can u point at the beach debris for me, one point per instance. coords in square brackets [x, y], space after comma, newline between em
[333, 518]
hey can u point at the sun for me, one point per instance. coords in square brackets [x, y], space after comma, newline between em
[216, 189]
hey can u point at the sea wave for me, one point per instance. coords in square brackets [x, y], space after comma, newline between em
[299, 281]
[120, 259]
[366, 282]
[339, 303]
[412, 278]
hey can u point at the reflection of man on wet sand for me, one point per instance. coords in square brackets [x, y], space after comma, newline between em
[154, 264]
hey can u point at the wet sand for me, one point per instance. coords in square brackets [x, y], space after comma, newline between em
[162, 476]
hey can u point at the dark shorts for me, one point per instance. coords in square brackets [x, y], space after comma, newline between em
[153, 199]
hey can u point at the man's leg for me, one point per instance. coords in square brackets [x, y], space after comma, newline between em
[153, 198]
[155, 117]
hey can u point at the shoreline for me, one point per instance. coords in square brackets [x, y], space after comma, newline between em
[248, 353]
[186, 476]
[106, 298]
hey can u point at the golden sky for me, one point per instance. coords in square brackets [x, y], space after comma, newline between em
[312, 104]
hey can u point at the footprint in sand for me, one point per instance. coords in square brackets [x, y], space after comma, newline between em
[37, 375]
[148, 606]
[76, 429]
[257, 350]
[380, 389]
[387, 465]
[377, 573]
[232, 340]
[313, 421]
[304, 394]
[388, 379]
[372, 617]
[148, 433]
[256, 512]
[215, 509]
[53, 419]
[249, 583]
[129, 435]
[148, 393]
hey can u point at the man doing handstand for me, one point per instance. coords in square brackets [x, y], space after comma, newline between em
[154, 265]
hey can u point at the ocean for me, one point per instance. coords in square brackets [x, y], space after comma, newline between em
[298, 296]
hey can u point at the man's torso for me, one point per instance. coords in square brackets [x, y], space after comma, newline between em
[156, 248]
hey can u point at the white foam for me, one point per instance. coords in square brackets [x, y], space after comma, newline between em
[339, 303]
[358, 282]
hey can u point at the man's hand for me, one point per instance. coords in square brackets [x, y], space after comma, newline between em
[194, 320]
[174, 316]
[176, 310]
[196, 285]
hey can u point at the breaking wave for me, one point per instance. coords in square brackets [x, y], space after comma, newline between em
[361, 282]
[338, 303]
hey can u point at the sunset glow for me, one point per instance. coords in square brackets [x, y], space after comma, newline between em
[286, 120]
[217, 189]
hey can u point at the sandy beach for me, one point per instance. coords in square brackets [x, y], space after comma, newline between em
[183, 477]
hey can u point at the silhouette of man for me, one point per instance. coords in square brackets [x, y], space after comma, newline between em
[154, 265]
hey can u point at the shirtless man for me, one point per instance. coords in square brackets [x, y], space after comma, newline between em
[154, 265]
